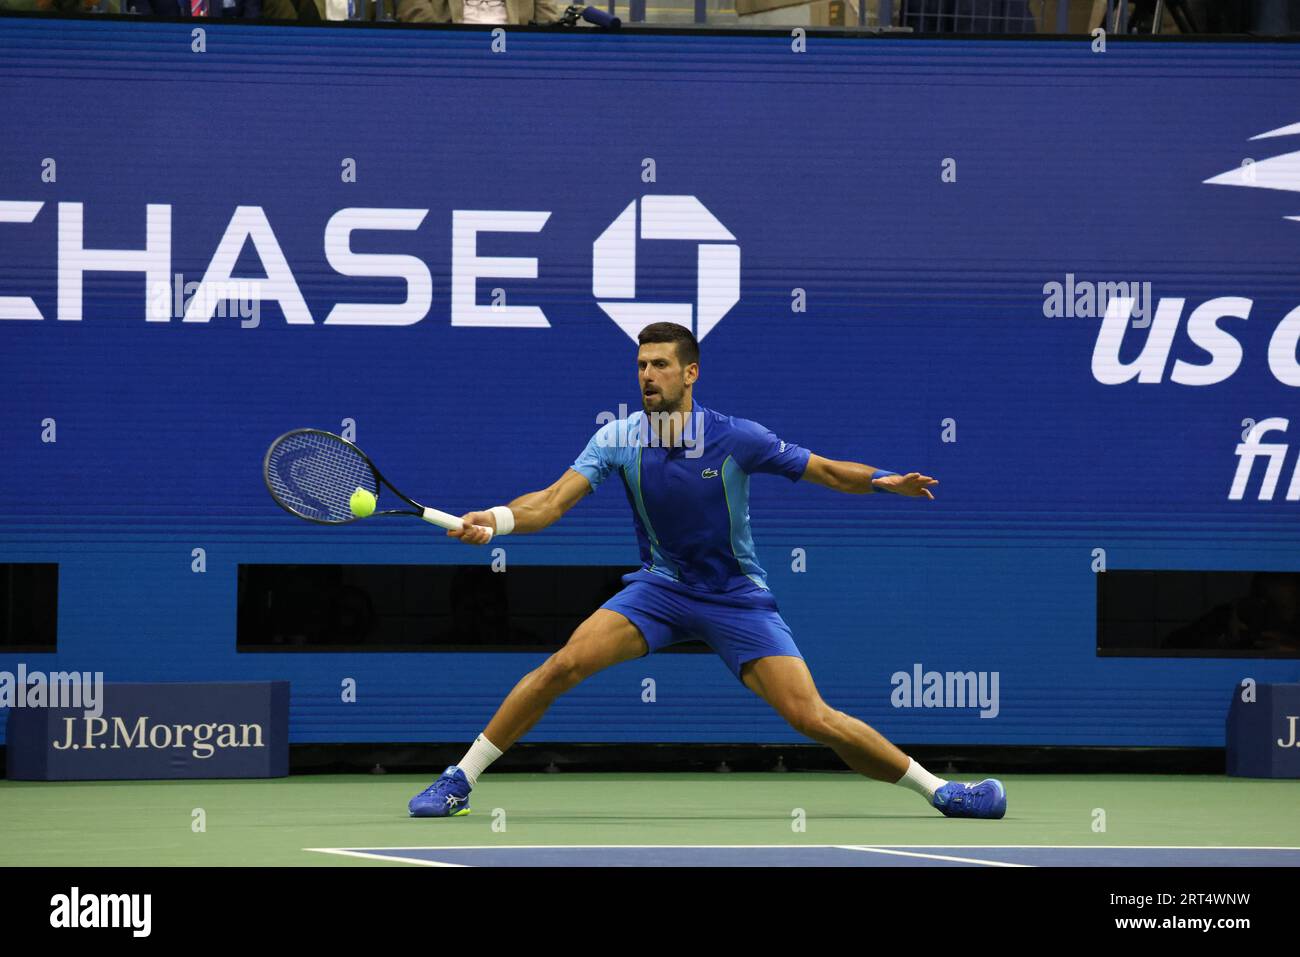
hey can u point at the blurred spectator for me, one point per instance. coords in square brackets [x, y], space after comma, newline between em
[245, 9]
[480, 11]
[1263, 17]
[1274, 17]
[313, 11]
[62, 6]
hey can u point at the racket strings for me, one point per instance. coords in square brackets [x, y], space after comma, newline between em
[314, 475]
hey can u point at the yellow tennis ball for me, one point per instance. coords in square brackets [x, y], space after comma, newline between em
[362, 503]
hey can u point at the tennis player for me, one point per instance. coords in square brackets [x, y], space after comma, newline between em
[686, 472]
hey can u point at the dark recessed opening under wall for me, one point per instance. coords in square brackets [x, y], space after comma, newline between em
[29, 607]
[385, 608]
[1198, 614]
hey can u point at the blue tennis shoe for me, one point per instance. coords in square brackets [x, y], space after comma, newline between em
[446, 797]
[987, 798]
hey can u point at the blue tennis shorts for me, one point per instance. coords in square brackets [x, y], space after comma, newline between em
[738, 627]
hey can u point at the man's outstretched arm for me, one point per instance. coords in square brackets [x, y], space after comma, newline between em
[857, 479]
[532, 512]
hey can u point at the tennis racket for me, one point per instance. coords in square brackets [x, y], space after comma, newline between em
[312, 474]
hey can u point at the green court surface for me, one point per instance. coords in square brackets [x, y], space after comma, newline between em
[279, 822]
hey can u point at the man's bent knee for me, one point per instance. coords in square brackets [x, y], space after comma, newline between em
[814, 721]
[562, 671]
[604, 639]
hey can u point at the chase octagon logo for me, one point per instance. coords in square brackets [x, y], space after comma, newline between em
[613, 275]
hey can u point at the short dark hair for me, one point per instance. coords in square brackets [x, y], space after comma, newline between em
[688, 349]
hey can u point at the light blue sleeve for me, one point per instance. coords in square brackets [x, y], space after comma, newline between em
[603, 454]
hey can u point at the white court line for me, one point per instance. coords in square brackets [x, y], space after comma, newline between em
[930, 857]
[895, 849]
[394, 859]
[1052, 847]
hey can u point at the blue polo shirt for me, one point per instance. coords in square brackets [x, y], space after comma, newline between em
[690, 503]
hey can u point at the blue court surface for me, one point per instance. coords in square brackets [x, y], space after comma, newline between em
[825, 855]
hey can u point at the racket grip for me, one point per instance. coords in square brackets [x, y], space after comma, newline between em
[446, 520]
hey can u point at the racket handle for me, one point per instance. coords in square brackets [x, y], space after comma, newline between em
[446, 520]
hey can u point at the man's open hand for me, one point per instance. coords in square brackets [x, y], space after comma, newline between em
[913, 483]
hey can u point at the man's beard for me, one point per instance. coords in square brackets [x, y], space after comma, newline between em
[664, 407]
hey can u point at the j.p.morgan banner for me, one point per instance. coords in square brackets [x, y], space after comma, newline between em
[1263, 734]
[211, 730]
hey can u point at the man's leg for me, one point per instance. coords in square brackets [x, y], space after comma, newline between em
[785, 683]
[640, 618]
[604, 639]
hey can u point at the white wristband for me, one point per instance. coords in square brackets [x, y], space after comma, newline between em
[505, 519]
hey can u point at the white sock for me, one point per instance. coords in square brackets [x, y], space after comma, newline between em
[481, 753]
[918, 779]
